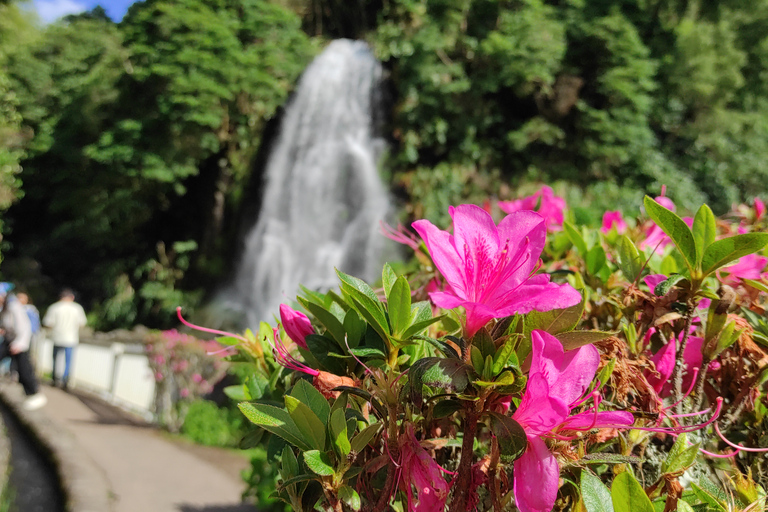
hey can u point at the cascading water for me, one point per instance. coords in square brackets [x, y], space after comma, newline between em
[323, 197]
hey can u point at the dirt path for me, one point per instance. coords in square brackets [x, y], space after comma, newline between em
[146, 470]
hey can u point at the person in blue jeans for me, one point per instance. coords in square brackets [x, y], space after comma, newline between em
[64, 318]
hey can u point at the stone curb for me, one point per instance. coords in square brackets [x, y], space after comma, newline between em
[85, 486]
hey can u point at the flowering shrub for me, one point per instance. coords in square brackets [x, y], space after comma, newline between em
[183, 371]
[584, 370]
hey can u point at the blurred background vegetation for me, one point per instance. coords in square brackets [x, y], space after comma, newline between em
[131, 152]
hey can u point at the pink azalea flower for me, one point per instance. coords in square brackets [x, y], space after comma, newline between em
[611, 220]
[750, 266]
[556, 383]
[664, 361]
[550, 207]
[296, 324]
[488, 269]
[759, 208]
[418, 469]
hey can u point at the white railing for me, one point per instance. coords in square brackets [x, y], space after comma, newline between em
[117, 371]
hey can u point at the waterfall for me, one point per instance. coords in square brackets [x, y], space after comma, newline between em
[323, 197]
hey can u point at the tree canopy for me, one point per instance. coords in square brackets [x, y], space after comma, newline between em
[128, 150]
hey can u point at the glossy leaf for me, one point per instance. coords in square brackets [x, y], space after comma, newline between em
[350, 497]
[275, 420]
[511, 437]
[575, 237]
[310, 426]
[388, 278]
[595, 259]
[554, 321]
[361, 440]
[704, 230]
[399, 306]
[630, 262]
[312, 398]
[680, 457]
[448, 374]
[595, 494]
[724, 251]
[675, 228]
[338, 430]
[576, 339]
[319, 462]
[628, 495]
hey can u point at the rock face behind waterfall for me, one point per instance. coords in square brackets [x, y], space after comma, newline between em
[322, 194]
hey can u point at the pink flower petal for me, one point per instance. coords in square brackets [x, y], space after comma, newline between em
[536, 478]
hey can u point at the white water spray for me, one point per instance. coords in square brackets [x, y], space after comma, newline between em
[323, 197]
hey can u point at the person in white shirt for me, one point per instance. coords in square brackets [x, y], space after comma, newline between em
[16, 331]
[64, 318]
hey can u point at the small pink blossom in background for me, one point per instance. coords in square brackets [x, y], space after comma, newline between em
[664, 361]
[556, 383]
[158, 377]
[488, 269]
[759, 208]
[750, 266]
[197, 378]
[296, 324]
[418, 469]
[611, 220]
[550, 207]
[184, 393]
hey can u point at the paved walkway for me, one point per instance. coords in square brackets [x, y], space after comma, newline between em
[145, 469]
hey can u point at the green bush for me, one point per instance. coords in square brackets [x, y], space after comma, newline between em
[211, 425]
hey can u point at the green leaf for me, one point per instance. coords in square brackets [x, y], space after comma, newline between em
[554, 321]
[506, 354]
[663, 287]
[714, 504]
[595, 494]
[576, 339]
[320, 348]
[575, 237]
[675, 228]
[290, 465]
[310, 426]
[350, 497]
[680, 456]
[399, 306]
[325, 317]
[756, 284]
[355, 328]
[319, 462]
[448, 374]
[704, 230]
[682, 506]
[610, 458]
[445, 408]
[630, 262]
[237, 392]
[628, 495]
[511, 437]
[312, 398]
[368, 352]
[595, 259]
[274, 420]
[361, 440]
[724, 251]
[388, 278]
[338, 428]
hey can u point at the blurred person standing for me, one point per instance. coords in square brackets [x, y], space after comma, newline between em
[34, 320]
[64, 318]
[16, 330]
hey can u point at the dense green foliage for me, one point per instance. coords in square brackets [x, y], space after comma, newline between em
[138, 140]
[615, 96]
